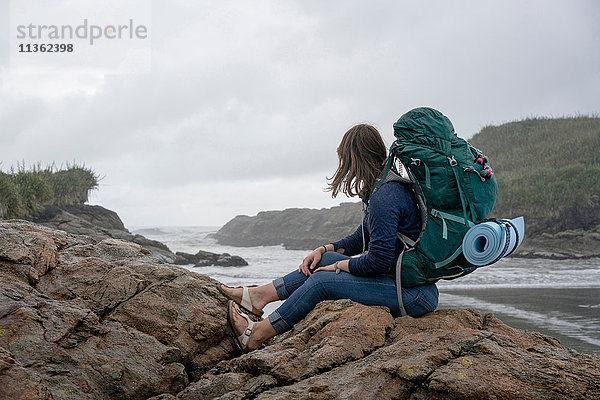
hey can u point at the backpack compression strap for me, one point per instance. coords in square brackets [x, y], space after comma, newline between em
[399, 283]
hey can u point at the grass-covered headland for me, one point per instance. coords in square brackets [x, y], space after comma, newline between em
[547, 169]
[23, 190]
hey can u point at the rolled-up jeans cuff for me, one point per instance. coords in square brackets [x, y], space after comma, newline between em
[278, 323]
[282, 292]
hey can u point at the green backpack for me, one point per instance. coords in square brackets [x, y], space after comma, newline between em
[454, 188]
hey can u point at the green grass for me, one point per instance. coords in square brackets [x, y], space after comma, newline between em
[23, 191]
[543, 166]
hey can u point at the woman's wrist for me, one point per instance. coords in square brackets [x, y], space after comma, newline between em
[345, 266]
[324, 248]
[342, 265]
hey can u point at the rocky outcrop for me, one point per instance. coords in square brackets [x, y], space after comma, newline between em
[295, 228]
[98, 223]
[572, 243]
[205, 258]
[92, 320]
[105, 320]
[344, 350]
[101, 223]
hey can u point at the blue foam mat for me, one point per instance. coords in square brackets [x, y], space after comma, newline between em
[487, 242]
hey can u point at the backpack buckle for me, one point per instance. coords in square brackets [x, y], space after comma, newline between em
[415, 161]
[452, 161]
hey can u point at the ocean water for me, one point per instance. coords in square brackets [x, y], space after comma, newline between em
[557, 298]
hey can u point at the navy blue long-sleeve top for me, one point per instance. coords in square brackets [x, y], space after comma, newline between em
[392, 209]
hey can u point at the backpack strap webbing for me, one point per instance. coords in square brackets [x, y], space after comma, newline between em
[408, 242]
[399, 284]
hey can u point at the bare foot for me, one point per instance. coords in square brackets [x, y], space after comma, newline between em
[260, 296]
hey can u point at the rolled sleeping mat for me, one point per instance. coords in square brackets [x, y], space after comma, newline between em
[487, 242]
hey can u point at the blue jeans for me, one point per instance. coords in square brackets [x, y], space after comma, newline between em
[302, 293]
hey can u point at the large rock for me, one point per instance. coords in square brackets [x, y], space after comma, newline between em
[94, 215]
[91, 320]
[206, 258]
[295, 228]
[82, 319]
[99, 223]
[343, 350]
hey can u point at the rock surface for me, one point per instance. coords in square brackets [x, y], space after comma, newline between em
[572, 243]
[343, 350]
[305, 229]
[90, 320]
[101, 223]
[106, 320]
[205, 258]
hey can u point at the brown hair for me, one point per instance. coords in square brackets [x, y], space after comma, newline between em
[361, 155]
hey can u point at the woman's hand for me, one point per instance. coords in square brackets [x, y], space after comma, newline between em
[342, 265]
[311, 261]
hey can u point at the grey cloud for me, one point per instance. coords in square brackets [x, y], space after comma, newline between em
[261, 90]
[4, 36]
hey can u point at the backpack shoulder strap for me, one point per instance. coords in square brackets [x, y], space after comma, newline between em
[392, 176]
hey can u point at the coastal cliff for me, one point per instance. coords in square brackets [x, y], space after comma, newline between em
[88, 319]
[295, 228]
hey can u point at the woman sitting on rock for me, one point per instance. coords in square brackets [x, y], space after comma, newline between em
[329, 272]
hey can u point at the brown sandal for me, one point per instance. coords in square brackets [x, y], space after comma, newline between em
[242, 340]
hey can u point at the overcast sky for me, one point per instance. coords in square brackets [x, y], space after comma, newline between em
[243, 103]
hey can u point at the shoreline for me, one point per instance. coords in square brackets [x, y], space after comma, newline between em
[548, 255]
